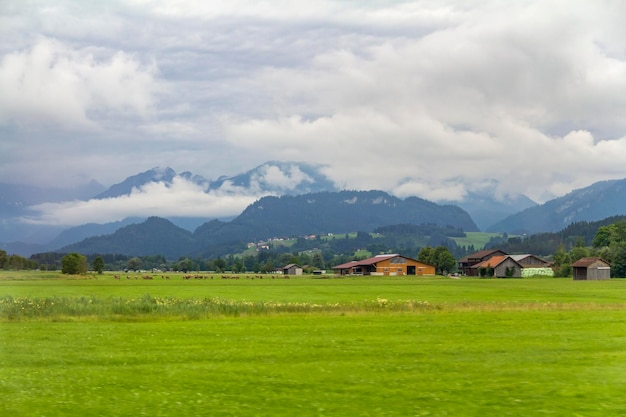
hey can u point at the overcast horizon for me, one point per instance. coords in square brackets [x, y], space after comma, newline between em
[427, 98]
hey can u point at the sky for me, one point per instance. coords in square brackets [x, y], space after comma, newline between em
[430, 98]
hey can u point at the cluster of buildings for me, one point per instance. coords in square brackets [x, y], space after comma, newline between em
[488, 263]
[498, 264]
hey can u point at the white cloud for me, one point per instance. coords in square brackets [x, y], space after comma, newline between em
[273, 177]
[182, 198]
[428, 97]
[52, 83]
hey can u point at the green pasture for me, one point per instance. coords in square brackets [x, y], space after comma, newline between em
[477, 239]
[311, 347]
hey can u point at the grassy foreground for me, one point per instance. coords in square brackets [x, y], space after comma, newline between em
[362, 347]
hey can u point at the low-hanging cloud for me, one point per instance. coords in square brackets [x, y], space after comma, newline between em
[180, 198]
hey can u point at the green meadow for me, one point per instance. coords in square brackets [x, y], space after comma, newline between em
[385, 346]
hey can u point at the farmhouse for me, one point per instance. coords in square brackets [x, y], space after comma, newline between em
[292, 269]
[391, 264]
[591, 269]
[500, 266]
[466, 263]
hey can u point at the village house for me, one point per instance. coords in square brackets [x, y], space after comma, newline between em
[466, 263]
[500, 266]
[385, 265]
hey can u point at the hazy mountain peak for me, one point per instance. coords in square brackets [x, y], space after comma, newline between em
[279, 177]
[596, 202]
[156, 174]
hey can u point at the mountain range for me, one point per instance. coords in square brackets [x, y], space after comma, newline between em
[279, 187]
[284, 216]
[599, 201]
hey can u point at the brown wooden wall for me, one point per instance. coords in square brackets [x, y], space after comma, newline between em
[388, 267]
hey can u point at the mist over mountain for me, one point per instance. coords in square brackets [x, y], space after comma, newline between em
[15, 198]
[235, 200]
[280, 178]
[595, 202]
[21, 237]
[285, 216]
[155, 175]
[487, 209]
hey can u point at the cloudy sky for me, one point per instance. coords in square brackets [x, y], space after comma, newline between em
[431, 98]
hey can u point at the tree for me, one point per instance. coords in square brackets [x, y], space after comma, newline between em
[219, 264]
[444, 260]
[185, 265]
[98, 264]
[74, 263]
[427, 255]
[238, 266]
[562, 262]
[134, 264]
[439, 257]
[602, 237]
[611, 241]
[579, 251]
[317, 260]
[3, 259]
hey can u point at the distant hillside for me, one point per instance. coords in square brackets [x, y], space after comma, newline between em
[284, 216]
[155, 236]
[345, 211]
[596, 202]
[78, 233]
[545, 244]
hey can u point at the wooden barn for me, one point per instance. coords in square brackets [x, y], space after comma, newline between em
[292, 269]
[591, 269]
[392, 264]
[533, 265]
[466, 263]
[501, 266]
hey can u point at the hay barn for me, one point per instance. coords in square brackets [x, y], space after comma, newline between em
[591, 269]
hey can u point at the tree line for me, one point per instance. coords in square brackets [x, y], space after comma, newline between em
[427, 243]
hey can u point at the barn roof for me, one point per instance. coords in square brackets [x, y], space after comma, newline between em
[346, 265]
[480, 254]
[494, 261]
[370, 261]
[519, 258]
[586, 262]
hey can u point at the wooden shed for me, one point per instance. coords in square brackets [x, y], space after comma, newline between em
[391, 264]
[292, 269]
[591, 269]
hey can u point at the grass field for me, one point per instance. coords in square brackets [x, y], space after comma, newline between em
[476, 239]
[311, 347]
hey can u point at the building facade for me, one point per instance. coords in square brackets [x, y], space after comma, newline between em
[385, 265]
